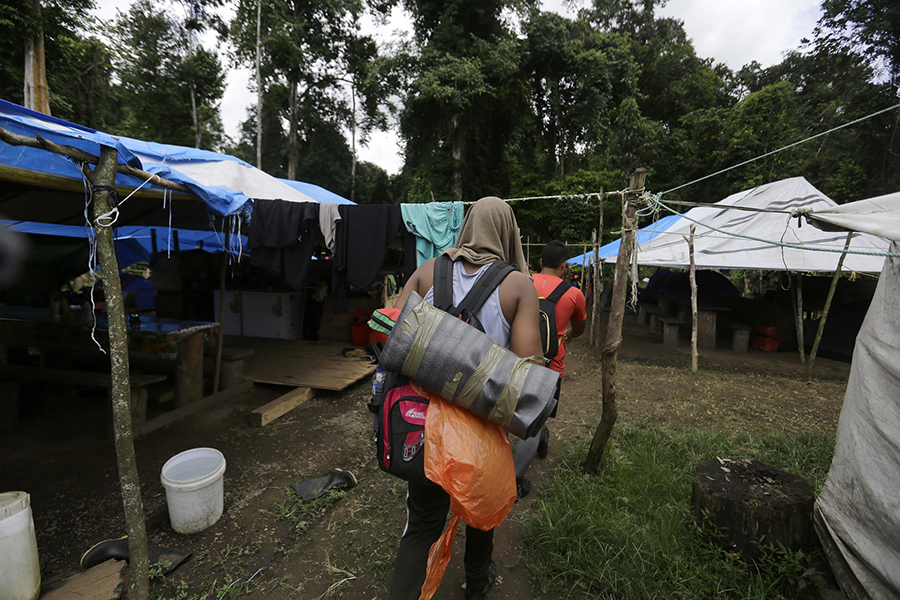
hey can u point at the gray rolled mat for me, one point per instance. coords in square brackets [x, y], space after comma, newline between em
[465, 366]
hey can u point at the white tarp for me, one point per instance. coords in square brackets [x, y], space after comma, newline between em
[717, 244]
[878, 216]
[858, 510]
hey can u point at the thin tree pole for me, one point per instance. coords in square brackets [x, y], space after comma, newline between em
[834, 281]
[798, 296]
[609, 412]
[223, 272]
[598, 241]
[693, 277]
[103, 180]
[528, 251]
[259, 86]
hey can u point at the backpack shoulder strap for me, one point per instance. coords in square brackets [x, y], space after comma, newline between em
[485, 286]
[443, 282]
[557, 293]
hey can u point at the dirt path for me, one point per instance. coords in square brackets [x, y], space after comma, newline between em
[59, 457]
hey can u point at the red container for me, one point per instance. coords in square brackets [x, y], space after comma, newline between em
[767, 338]
[360, 328]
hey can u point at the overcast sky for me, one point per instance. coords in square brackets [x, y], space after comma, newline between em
[734, 32]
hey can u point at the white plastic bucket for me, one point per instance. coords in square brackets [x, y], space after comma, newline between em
[194, 488]
[20, 571]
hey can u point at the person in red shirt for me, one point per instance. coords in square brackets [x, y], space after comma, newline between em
[570, 321]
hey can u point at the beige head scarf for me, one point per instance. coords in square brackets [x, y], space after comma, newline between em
[489, 231]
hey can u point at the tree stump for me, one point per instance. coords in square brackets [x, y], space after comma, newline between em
[746, 503]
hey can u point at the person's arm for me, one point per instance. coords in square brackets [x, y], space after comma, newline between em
[576, 328]
[579, 315]
[525, 335]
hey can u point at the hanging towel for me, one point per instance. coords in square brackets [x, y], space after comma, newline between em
[328, 218]
[435, 226]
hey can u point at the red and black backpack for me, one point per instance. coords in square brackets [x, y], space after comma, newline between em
[399, 410]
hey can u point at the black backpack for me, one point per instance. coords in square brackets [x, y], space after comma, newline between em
[399, 410]
[549, 334]
[477, 296]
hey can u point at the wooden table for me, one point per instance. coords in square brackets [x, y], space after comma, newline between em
[153, 337]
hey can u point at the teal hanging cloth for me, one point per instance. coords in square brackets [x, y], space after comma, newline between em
[435, 226]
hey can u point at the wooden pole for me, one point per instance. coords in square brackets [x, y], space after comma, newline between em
[223, 272]
[693, 276]
[834, 281]
[609, 412]
[129, 481]
[598, 241]
[528, 252]
[14, 139]
[799, 318]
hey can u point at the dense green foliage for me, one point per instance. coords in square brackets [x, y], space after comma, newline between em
[629, 534]
[491, 97]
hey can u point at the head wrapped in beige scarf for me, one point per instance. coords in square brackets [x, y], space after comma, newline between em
[489, 231]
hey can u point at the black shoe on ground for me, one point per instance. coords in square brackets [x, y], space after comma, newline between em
[523, 488]
[482, 593]
[543, 445]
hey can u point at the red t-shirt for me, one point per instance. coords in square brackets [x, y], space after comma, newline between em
[569, 308]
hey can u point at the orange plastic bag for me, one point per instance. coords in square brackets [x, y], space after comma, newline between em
[472, 460]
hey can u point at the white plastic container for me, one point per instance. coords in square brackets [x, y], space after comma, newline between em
[194, 486]
[20, 571]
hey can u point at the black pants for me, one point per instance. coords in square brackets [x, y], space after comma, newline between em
[427, 508]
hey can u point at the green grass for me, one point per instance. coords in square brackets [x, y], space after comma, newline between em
[628, 533]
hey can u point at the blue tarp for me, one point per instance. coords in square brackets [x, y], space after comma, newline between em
[134, 244]
[644, 235]
[317, 193]
[17, 119]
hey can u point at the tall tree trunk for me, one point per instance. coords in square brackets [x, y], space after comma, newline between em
[609, 412]
[195, 117]
[457, 152]
[259, 88]
[353, 128]
[292, 134]
[37, 93]
[104, 175]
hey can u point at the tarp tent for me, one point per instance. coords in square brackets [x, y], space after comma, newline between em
[608, 252]
[317, 193]
[856, 514]
[43, 186]
[723, 234]
[134, 243]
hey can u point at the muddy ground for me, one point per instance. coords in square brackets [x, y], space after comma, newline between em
[59, 454]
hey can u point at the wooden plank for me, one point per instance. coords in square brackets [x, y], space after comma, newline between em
[102, 582]
[267, 413]
[189, 409]
[308, 375]
[308, 364]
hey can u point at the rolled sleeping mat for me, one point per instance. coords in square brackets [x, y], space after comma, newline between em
[461, 364]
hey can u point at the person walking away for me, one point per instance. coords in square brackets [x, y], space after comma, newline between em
[570, 322]
[510, 316]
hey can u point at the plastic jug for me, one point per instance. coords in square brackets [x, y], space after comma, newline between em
[20, 571]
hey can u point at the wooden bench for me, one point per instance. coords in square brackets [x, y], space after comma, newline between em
[231, 372]
[68, 377]
[740, 336]
[651, 314]
[670, 329]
